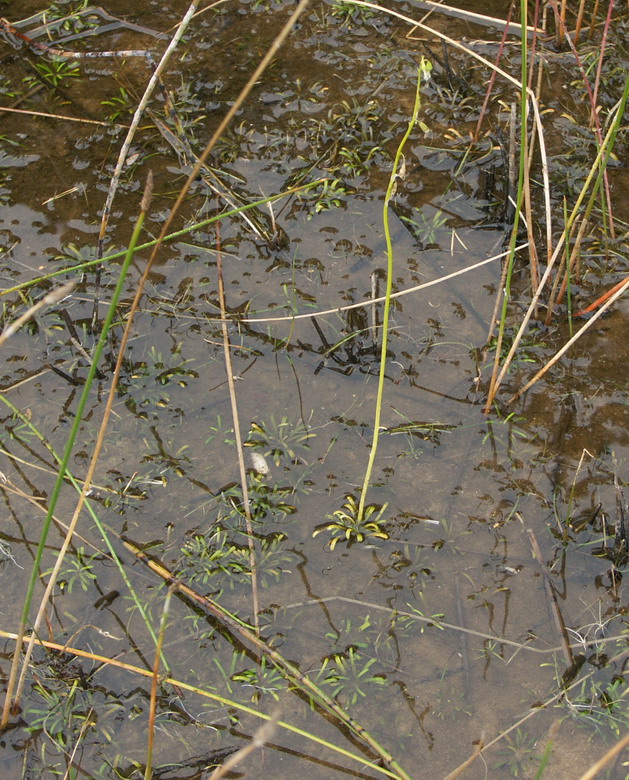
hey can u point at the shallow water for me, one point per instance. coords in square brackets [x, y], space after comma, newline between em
[447, 631]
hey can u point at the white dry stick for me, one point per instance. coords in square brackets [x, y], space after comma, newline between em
[259, 739]
[373, 301]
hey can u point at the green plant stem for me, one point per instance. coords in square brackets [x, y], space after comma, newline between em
[88, 505]
[61, 474]
[389, 287]
[80, 267]
[522, 172]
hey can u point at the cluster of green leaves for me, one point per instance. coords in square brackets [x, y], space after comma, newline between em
[346, 525]
[145, 383]
[55, 72]
[280, 440]
[215, 559]
[350, 676]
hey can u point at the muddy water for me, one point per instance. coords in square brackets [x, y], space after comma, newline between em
[441, 630]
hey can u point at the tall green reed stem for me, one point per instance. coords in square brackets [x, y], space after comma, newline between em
[423, 72]
[61, 474]
[522, 172]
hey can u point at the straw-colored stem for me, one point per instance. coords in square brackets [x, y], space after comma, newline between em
[148, 771]
[238, 437]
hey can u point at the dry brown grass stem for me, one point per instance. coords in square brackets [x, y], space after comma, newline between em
[593, 19]
[225, 122]
[580, 13]
[571, 342]
[605, 759]
[238, 437]
[138, 113]
[478, 749]
[259, 739]
[492, 78]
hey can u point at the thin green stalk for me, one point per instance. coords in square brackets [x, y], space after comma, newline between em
[170, 237]
[78, 419]
[566, 241]
[88, 505]
[422, 72]
[493, 386]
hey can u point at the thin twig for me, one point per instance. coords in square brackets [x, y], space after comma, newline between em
[606, 758]
[569, 343]
[478, 749]
[135, 121]
[238, 437]
[259, 739]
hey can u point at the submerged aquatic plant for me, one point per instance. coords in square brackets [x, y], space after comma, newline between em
[282, 440]
[215, 560]
[349, 675]
[53, 72]
[518, 754]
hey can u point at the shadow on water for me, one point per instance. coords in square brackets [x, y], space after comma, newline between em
[492, 595]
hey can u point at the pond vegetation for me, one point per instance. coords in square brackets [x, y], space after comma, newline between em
[315, 429]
